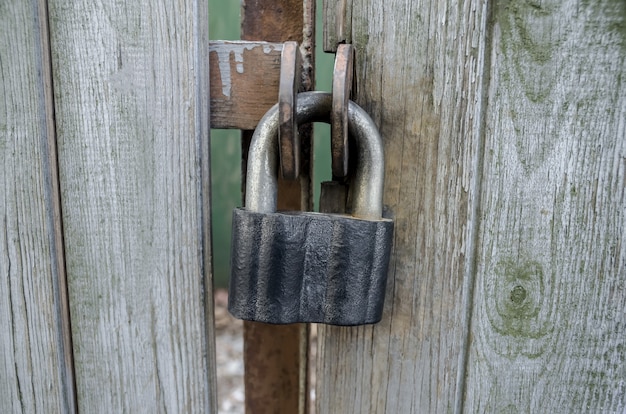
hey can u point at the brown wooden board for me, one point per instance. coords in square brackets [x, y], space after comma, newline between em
[244, 82]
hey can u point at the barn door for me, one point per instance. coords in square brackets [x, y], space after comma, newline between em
[505, 135]
[104, 207]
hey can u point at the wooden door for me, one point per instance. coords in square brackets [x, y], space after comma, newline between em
[505, 135]
[104, 207]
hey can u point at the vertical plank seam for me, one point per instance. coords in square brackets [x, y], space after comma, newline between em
[394, 259]
[204, 197]
[469, 283]
[54, 208]
[11, 314]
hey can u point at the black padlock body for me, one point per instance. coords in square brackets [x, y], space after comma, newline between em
[308, 267]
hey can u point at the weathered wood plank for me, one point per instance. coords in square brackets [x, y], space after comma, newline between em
[132, 111]
[549, 313]
[337, 28]
[36, 368]
[418, 67]
[244, 82]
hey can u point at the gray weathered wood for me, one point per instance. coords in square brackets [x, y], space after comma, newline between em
[132, 112]
[337, 28]
[505, 137]
[549, 311]
[418, 67]
[36, 367]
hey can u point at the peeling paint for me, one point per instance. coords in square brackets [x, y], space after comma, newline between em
[236, 50]
[239, 60]
[268, 49]
[223, 57]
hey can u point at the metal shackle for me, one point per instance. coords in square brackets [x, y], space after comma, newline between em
[262, 174]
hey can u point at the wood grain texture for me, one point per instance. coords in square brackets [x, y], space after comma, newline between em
[505, 132]
[337, 15]
[244, 82]
[132, 112]
[549, 311]
[36, 367]
[418, 67]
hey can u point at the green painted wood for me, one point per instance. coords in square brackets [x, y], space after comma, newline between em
[132, 113]
[36, 366]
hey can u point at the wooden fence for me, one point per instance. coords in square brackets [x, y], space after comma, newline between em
[504, 124]
[505, 139]
[105, 206]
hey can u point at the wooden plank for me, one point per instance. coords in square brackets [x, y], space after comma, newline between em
[418, 67]
[244, 82]
[549, 319]
[36, 373]
[337, 15]
[132, 112]
[272, 21]
[275, 356]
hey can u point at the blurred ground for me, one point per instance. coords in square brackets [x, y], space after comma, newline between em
[229, 345]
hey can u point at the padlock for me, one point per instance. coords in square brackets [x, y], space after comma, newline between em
[289, 267]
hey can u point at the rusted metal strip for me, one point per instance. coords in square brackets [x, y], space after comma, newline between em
[342, 87]
[272, 382]
[289, 84]
[333, 197]
[272, 20]
[244, 82]
[275, 356]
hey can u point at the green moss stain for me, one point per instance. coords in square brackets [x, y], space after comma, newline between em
[360, 33]
[509, 409]
[516, 297]
[615, 14]
[620, 24]
[529, 40]
[517, 16]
